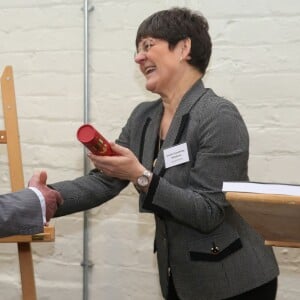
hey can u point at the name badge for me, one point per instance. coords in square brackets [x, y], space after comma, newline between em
[176, 155]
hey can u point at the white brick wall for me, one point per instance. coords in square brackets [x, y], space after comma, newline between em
[255, 63]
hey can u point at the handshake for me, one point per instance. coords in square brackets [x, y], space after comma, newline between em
[52, 198]
[22, 213]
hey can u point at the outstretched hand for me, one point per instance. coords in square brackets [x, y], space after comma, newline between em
[52, 197]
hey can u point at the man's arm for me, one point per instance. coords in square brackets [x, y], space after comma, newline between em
[20, 213]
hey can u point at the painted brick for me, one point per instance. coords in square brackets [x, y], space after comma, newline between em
[255, 63]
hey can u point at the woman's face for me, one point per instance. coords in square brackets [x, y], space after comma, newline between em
[160, 65]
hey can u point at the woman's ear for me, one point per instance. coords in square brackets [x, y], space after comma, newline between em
[186, 47]
[183, 48]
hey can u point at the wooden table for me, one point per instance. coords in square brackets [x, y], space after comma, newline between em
[275, 217]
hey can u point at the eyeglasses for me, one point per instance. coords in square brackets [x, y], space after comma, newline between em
[145, 46]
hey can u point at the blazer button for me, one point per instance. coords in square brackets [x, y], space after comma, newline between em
[215, 250]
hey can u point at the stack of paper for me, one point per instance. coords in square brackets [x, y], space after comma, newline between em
[261, 188]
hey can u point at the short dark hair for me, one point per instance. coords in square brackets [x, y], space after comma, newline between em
[176, 24]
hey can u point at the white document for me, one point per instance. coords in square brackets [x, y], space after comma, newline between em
[176, 155]
[261, 188]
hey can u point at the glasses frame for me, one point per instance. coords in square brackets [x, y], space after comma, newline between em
[145, 46]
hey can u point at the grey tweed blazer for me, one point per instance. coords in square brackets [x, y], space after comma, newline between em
[210, 250]
[20, 213]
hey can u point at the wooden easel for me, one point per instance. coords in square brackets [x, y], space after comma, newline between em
[275, 217]
[10, 136]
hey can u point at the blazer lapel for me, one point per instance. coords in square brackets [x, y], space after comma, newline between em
[179, 122]
[149, 137]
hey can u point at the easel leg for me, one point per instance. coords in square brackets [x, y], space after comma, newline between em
[27, 272]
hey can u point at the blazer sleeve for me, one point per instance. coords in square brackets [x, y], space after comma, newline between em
[87, 192]
[20, 213]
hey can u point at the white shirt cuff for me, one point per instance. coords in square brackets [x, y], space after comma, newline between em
[42, 201]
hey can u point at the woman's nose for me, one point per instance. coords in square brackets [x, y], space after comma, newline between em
[139, 57]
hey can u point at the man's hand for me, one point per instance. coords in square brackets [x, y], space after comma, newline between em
[52, 198]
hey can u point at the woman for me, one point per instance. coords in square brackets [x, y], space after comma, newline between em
[177, 151]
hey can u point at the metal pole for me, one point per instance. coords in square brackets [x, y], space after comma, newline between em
[86, 264]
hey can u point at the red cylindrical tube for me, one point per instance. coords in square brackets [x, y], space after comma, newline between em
[93, 140]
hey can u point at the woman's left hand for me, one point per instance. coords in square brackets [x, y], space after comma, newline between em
[124, 165]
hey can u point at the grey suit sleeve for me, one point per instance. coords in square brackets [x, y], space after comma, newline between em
[20, 213]
[221, 155]
[87, 192]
